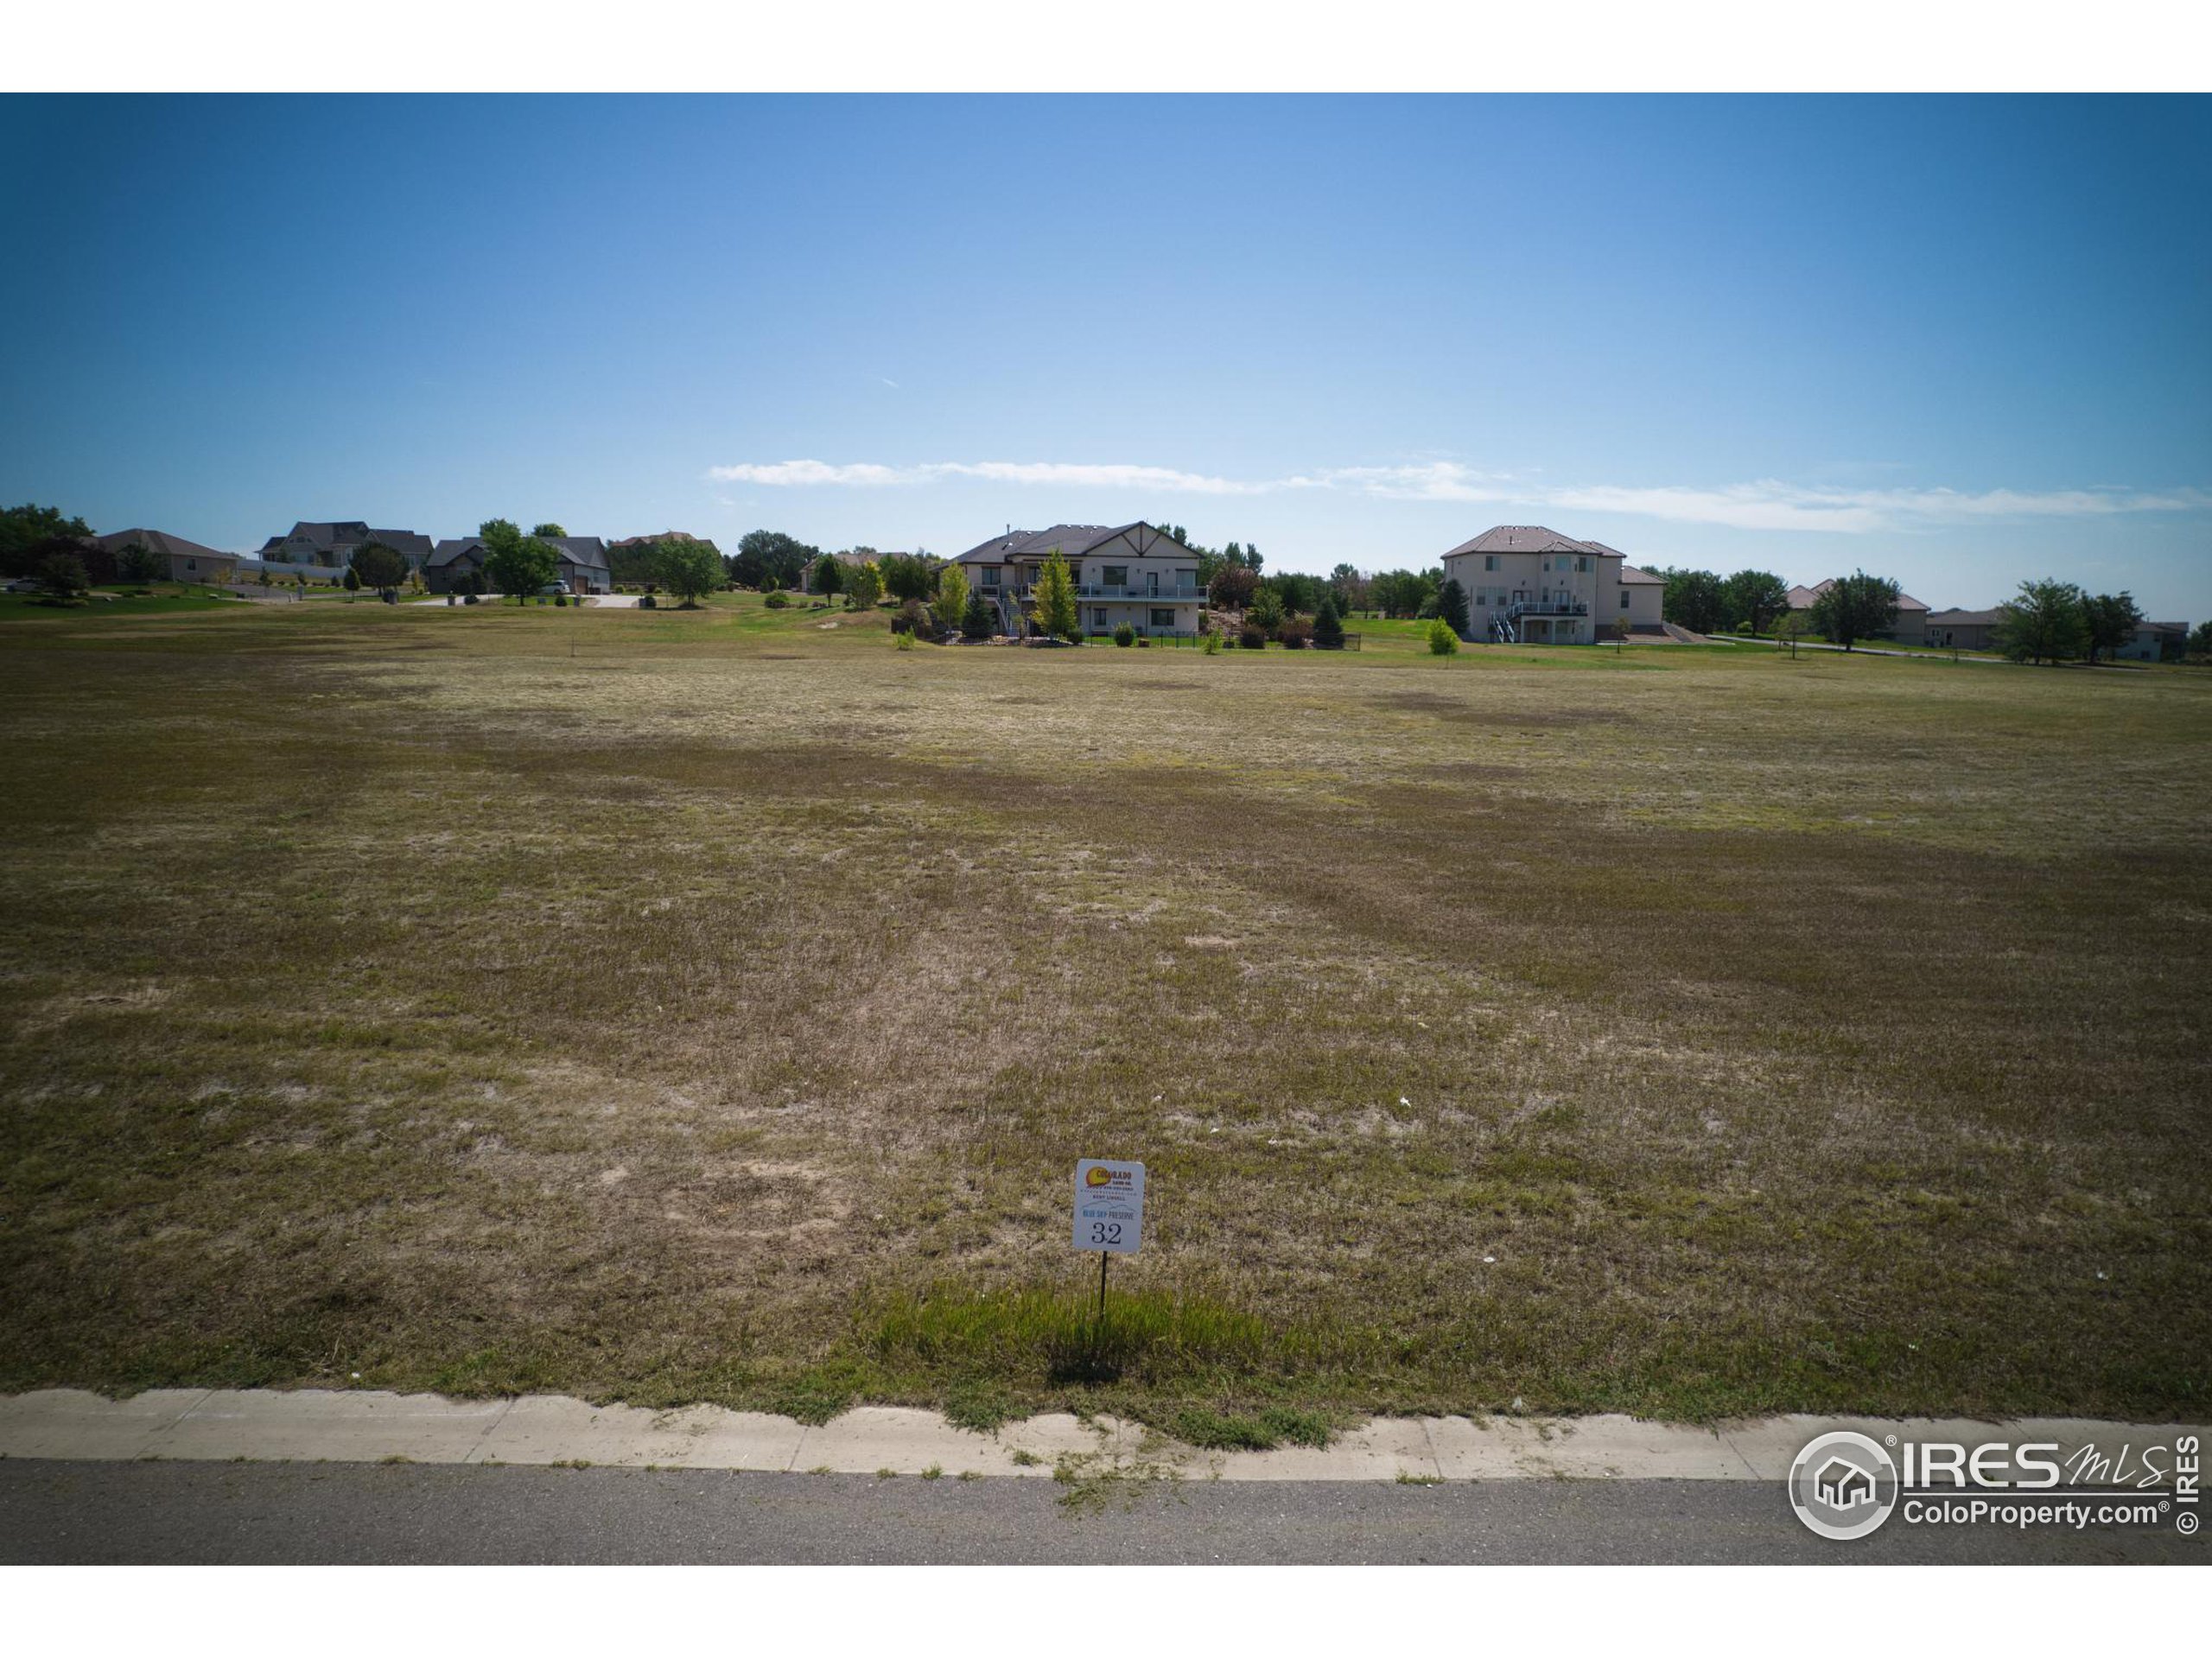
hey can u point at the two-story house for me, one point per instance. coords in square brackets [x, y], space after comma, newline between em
[321, 551]
[1136, 574]
[1529, 585]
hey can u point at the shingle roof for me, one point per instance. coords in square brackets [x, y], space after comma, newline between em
[1800, 599]
[350, 532]
[1632, 577]
[1524, 538]
[1073, 541]
[159, 541]
[586, 550]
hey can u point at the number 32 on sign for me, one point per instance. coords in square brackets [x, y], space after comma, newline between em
[1108, 1206]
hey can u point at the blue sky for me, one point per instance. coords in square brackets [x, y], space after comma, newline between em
[1954, 341]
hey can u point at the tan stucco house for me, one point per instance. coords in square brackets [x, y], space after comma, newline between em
[1529, 585]
[187, 560]
[1909, 629]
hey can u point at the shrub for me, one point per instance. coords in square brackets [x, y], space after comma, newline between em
[648, 602]
[1442, 642]
[976, 619]
[560, 599]
[1295, 632]
[777, 600]
[1328, 627]
[1210, 643]
[902, 639]
[1124, 635]
[1252, 638]
[914, 618]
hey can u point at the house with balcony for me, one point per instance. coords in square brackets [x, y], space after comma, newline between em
[1136, 574]
[321, 550]
[1529, 585]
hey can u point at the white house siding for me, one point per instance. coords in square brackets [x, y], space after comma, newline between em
[1495, 582]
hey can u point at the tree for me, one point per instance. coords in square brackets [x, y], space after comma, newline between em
[976, 619]
[1265, 612]
[24, 530]
[1442, 642]
[1232, 586]
[769, 558]
[1403, 593]
[139, 563]
[1855, 608]
[907, 576]
[691, 570]
[1692, 600]
[1791, 628]
[553, 531]
[1350, 588]
[829, 575]
[2111, 621]
[2043, 623]
[1452, 607]
[2200, 640]
[863, 586]
[379, 567]
[63, 574]
[353, 579]
[515, 563]
[951, 598]
[1328, 626]
[1754, 596]
[1056, 607]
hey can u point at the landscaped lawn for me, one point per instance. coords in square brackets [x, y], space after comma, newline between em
[712, 1006]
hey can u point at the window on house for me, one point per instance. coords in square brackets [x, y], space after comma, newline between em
[990, 576]
[1490, 561]
[1582, 564]
[1117, 576]
[1163, 618]
[1098, 616]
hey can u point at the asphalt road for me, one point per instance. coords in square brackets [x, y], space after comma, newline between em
[154, 1512]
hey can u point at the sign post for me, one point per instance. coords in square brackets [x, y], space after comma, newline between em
[1109, 1211]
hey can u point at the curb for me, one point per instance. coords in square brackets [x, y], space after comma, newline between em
[365, 1426]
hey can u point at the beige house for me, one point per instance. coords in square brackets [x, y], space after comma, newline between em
[1136, 574]
[1909, 629]
[187, 560]
[1529, 585]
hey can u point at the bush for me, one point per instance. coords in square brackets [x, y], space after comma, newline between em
[1328, 627]
[1124, 635]
[777, 599]
[1442, 642]
[1252, 638]
[902, 639]
[1210, 643]
[914, 618]
[1296, 632]
[648, 602]
[560, 601]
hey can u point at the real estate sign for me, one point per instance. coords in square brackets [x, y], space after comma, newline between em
[1108, 1206]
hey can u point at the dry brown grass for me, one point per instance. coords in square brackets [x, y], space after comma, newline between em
[1686, 1032]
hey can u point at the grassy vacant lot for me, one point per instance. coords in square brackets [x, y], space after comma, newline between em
[679, 1007]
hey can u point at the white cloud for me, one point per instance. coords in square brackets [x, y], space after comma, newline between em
[1765, 503]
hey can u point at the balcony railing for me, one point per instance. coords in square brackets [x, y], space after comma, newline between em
[1102, 590]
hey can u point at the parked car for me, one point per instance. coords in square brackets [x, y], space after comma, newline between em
[25, 585]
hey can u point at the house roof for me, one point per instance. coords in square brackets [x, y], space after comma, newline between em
[1801, 598]
[586, 550]
[1632, 577]
[349, 533]
[1525, 538]
[1958, 619]
[159, 541]
[1073, 541]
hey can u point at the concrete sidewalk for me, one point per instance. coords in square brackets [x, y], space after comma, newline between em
[365, 1426]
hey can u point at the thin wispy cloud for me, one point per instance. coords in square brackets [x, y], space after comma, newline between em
[1764, 504]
